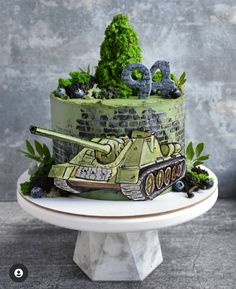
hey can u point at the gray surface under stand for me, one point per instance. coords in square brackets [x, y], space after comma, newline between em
[198, 254]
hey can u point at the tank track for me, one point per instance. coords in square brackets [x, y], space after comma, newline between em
[135, 191]
[62, 184]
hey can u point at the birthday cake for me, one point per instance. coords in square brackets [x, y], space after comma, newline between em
[118, 130]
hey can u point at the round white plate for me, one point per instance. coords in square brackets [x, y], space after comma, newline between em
[118, 216]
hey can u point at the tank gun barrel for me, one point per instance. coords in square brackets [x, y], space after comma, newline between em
[104, 148]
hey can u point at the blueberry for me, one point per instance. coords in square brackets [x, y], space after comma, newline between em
[178, 186]
[78, 93]
[208, 183]
[175, 93]
[36, 192]
[60, 92]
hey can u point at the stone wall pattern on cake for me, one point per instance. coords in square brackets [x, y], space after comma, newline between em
[43, 40]
[107, 121]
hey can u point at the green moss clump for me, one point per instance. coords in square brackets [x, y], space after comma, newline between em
[119, 48]
[64, 83]
[157, 77]
[200, 177]
[77, 77]
[25, 188]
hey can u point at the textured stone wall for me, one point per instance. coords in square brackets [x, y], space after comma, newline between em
[98, 120]
[123, 122]
[42, 40]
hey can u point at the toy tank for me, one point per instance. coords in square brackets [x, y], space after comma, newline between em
[138, 166]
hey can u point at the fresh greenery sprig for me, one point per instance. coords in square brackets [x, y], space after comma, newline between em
[179, 82]
[39, 152]
[88, 71]
[195, 158]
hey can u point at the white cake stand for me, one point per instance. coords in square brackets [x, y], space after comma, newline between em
[118, 240]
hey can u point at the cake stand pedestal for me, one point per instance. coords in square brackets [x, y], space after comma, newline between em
[118, 240]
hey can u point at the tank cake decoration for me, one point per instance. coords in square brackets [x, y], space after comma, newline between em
[139, 166]
[118, 131]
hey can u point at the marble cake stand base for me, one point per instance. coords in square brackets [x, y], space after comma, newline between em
[118, 256]
[118, 240]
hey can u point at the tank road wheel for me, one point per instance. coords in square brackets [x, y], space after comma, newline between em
[167, 177]
[160, 179]
[149, 185]
[179, 170]
[173, 174]
[154, 179]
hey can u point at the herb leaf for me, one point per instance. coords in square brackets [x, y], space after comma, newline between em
[39, 147]
[197, 163]
[199, 149]
[203, 158]
[46, 152]
[34, 157]
[29, 147]
[182, 78]
[190, 151]
[174, 78]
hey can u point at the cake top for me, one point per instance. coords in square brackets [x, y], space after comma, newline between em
[120, 73]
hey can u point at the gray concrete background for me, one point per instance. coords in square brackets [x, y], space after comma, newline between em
[43, 40]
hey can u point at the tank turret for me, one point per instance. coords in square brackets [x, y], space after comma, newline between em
[139, 166]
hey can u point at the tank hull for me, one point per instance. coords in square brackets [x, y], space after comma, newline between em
[165, 174]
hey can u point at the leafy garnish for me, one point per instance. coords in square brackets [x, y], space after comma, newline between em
[29, 147]
[190, 151]
[179, 82]
[41, 154]
[194, 158]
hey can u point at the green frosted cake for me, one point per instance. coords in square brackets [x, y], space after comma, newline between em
[111, 105]
[117, 133]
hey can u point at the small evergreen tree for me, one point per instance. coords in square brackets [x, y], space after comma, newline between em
[119, 48]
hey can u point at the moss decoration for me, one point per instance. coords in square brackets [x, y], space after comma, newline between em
[77, 77]
[119, 48]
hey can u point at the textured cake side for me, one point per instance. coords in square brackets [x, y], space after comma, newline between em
[100, 118]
